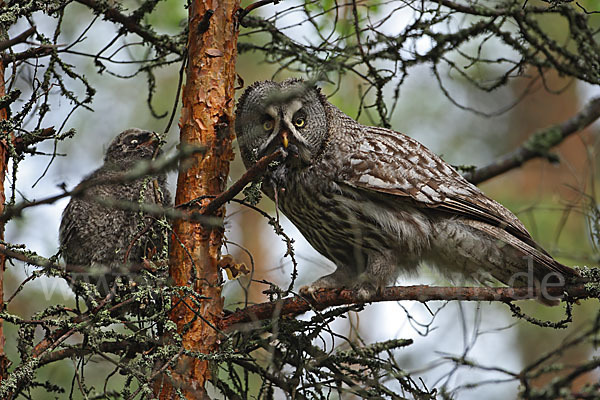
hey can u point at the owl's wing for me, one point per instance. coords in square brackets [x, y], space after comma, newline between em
[391, 163]
[67, 225]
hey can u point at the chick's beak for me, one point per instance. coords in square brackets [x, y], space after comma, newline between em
[152, 141]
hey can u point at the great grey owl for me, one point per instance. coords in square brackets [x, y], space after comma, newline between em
[104, 239]
[376, 202]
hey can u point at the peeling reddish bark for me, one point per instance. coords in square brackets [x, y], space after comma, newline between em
[206, 119]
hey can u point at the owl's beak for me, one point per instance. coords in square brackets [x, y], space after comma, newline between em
[152, 141]
[284, 139]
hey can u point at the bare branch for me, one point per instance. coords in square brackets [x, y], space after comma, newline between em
[33, 52]
[242, 12]
[132, 25]
[20, 38]
[538, 144]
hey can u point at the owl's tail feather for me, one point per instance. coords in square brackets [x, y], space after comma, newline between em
[519, 264]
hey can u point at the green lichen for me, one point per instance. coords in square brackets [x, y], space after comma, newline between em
[542, 141]
[591, 275]
[252, 193]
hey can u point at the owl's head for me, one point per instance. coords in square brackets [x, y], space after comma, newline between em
[290, 114]
[132, 146]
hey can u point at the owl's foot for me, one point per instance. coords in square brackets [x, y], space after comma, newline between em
[364, 286]
[366, 290]
[310, 291]
[336, 280]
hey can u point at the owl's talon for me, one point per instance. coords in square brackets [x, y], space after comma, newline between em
[364, 293]
[310, 291]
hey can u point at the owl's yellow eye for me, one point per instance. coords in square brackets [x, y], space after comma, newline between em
[299, 122]
[268, 125]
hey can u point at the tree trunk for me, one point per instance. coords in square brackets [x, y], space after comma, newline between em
[206, 119]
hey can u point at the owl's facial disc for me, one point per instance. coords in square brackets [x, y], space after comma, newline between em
[286, 123]
[142, 144]
[133, 145]
[271, 127]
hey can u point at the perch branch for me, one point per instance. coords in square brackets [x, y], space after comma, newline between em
[538, 144]
[297, 305]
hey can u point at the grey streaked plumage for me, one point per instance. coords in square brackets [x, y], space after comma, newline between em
[377, 202]
[97, 237]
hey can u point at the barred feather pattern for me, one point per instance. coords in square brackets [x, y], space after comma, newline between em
[378, 203]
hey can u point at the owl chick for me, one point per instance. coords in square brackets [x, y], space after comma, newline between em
[107, 241]
[376, 202]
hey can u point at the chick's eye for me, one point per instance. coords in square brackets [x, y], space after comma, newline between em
[268, 125]
[134, 142]
[299, 122]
